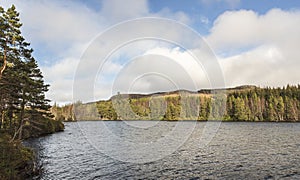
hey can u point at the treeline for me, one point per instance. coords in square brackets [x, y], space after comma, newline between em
[239, 104]
[24, 110]
[267, 104]
[75, 111]
[244, 103]
[63, 113]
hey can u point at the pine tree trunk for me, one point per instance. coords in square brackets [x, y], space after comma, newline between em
[2, 120]
[21, 123]
[22, 116]
[4, 63]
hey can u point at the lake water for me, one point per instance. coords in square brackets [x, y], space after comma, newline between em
[86, 150]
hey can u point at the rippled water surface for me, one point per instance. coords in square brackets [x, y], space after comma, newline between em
[238, 150]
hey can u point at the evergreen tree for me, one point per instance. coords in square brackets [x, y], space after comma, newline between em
[280, 108]
[22, 90]
[204, 110]
[239, 111]
[11, 40]
[290, 110]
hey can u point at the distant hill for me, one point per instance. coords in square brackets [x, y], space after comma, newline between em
[242, 103]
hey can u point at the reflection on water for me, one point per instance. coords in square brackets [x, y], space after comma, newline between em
[239, 150]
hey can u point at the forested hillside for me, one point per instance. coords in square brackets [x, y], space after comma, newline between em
[245, 103]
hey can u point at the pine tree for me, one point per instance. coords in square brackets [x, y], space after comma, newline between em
[256, 111]
[22, 86]
[204, 109]
[290, 109]
[239, 111]
[11, 41]
[280, 108]
[11, 45]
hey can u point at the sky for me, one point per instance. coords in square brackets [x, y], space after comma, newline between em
[250, 42]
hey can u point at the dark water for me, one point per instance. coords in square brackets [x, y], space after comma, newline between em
[237, 151]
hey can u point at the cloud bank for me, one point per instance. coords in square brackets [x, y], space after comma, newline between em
[258, 49]
[252, 48]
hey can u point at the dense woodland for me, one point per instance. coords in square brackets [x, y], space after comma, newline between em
[246, 103]
[24, 110]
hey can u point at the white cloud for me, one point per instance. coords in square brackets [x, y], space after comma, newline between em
[157, 69]
[265, 49]
[58, 25]
[160, 69]
[179, 16]
[244, 28]
[262, 66]
[265, 46]
[234, 29]
[62, 30]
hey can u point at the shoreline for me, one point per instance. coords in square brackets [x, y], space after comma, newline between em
[18, 160]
